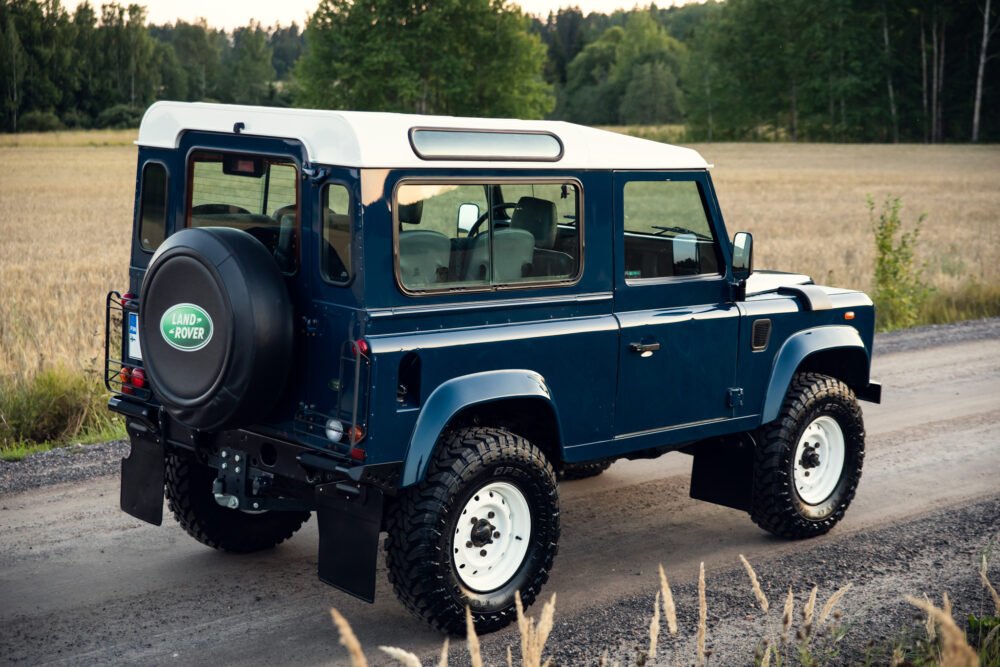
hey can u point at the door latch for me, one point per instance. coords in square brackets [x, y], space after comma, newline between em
[644, 349]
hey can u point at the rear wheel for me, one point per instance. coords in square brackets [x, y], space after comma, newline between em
[482, 526]
[808, 462]
[190, 497]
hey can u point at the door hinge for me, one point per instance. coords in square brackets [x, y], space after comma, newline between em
[735, 397]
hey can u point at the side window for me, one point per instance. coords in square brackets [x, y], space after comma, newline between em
[256, 194]
[667, 231]
[454, 236]
[153, 206]
[336, 247]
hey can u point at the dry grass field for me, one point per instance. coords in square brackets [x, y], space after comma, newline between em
[66, 205]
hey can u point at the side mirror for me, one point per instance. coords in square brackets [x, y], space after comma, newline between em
[742, 256]
[467, 216]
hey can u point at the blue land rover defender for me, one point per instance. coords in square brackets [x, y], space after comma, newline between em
[416, 325]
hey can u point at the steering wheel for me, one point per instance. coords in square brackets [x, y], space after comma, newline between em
[474, 230]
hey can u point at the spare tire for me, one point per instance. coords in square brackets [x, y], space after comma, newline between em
[216, 328]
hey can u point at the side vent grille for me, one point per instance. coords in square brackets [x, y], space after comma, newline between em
[761, 335]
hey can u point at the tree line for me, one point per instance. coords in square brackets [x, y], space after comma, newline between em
[817, 70]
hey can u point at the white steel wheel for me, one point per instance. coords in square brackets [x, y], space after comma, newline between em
[491, 536]
[819, 460]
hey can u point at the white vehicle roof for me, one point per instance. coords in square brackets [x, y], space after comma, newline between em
[366, 139]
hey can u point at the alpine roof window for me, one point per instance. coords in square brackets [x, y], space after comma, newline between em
[454, 144]
[153, 206]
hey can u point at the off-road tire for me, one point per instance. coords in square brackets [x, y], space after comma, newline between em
[571, 471]
[189, 495]
[422, 520]
[776, 504]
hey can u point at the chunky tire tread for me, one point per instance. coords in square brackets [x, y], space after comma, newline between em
[571, 471]
[188, 488]
[775, 506]
[419, 529]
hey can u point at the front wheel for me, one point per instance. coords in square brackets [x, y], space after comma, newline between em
[808, 461]
[483, 525]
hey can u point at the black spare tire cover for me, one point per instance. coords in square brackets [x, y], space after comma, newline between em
[216, 328]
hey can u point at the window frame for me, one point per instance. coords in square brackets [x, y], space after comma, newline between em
[142, 204]
[190, 159]
[709, 218]
[351, 202]
[488, 181]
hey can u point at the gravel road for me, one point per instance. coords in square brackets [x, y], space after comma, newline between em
[83, 583]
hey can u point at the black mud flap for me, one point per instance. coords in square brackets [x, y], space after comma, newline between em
[142, 480]
[723, 472]
[350, 519]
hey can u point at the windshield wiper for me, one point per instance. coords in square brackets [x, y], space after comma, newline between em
[680, 230]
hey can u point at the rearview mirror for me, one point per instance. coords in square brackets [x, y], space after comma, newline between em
[742, 256]
[467, 216]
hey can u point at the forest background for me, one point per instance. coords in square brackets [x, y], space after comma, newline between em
[798, 70]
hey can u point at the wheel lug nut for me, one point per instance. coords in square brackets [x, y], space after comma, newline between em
[468, 545]
[491, 515]
[483, 552]
[475, 520]
[496, 533]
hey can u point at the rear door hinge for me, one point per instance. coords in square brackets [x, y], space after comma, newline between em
[735, 397]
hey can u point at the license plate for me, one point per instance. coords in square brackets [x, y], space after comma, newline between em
[134, 351]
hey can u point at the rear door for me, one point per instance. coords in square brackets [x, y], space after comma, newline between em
[679, 327]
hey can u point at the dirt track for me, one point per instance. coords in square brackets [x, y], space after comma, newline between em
[80, 582]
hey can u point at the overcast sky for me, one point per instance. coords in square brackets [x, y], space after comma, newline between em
[233, 13]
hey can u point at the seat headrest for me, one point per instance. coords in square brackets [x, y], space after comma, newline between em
[537, 216]
[411, 213]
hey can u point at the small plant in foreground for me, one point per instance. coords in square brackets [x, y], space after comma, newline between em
[900, 291]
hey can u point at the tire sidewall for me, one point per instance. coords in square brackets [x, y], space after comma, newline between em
[829, 404]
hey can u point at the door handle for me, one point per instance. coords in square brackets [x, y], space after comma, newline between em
[644, 349]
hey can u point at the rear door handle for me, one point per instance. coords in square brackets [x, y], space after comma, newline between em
[644, 349]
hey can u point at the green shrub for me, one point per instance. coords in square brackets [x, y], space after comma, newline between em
[39, 121]
[900, 291]
[119, 117]
[52, 406]
[76, 120]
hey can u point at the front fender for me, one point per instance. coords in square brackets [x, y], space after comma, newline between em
[456, 394]
[795, 350]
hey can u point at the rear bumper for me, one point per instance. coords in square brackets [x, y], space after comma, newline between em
[272, 475]
[872, 393]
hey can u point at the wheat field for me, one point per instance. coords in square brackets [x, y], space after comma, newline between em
[66, 205]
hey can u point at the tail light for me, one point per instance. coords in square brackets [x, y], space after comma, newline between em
[125, 375]
[360, 347]
[138, 378]
[128, 297]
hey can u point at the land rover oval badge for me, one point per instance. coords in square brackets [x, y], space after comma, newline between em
[186, 327]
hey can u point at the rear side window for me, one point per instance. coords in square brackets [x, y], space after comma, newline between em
[256, 194]
[452, 236]
[336, 247]
[667, 231]
[153, 206]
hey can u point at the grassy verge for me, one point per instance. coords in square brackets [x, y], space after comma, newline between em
[53, 407]
[971, 301]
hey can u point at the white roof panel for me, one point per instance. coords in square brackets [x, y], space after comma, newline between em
[381, 140]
